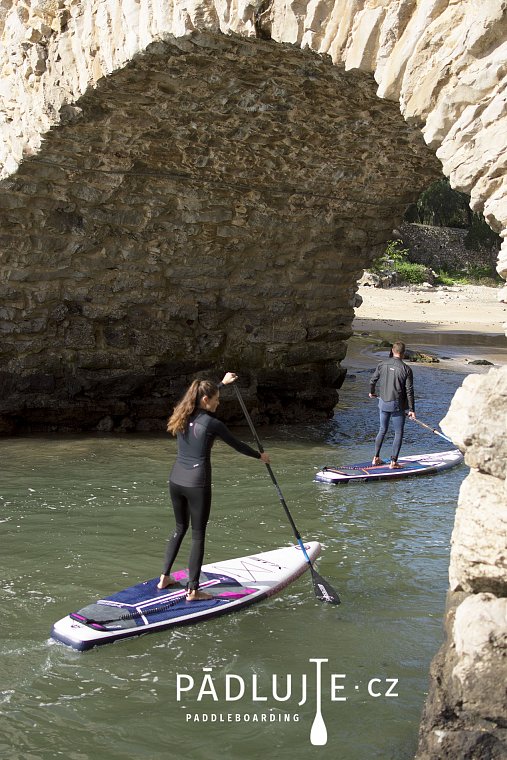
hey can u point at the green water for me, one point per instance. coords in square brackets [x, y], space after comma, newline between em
[83, 517]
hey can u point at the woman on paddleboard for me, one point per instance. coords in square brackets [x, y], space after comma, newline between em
[195, 427]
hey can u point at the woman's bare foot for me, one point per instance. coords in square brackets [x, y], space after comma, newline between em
[394, 465]
[376, 461]
[194, 595]
[165, 581]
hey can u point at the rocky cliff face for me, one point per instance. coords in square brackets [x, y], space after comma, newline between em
[442, 60]
[204, 201]
[208, 207]
[209, 200]
[465, 715]
[445, 248]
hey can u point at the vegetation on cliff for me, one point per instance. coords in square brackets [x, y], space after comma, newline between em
[439, 206]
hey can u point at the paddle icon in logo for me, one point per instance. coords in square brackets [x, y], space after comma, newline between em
[318, 733]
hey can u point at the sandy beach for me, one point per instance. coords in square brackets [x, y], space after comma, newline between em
[463, 323]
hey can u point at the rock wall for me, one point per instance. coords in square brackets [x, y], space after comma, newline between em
[444, 248]
[200, 183]
[234, 135]
[208, 206]
[442, 60]
[465, 715]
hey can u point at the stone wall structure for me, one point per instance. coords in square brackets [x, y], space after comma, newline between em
[210, 205]
[138, 136]
[191, 185]
[444, 248]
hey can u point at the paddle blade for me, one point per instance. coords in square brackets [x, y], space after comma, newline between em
[323, 590]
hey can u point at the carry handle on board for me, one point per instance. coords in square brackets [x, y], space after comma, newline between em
[323, 590]
[433, 430]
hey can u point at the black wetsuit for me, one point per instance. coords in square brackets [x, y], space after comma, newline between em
[396, 391]
[190, 486]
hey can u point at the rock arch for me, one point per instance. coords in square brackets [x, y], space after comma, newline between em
[75, 231]
[444, 62]
[299, 130]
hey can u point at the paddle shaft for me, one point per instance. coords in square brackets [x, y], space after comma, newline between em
[433, 430]
[323, 590]
[271, 473]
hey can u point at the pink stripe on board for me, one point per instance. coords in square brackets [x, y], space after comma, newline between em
[237, 594]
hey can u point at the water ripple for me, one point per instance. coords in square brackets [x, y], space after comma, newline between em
[82, 517]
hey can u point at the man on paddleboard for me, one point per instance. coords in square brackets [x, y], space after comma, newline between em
[396, 395]
[196, 428]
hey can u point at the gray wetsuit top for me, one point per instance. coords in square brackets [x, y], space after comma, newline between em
[396, 385]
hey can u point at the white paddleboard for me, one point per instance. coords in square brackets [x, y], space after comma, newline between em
[416, 464]
[139, 609]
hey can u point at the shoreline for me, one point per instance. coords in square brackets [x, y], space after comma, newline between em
[457, 325]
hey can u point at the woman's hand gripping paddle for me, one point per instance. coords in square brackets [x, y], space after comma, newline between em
[321, 587]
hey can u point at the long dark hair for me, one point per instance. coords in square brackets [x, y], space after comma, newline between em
[178, 420]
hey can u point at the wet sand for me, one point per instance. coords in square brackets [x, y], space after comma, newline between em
[458, 325]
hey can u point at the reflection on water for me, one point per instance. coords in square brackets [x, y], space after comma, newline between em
[81, 517]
